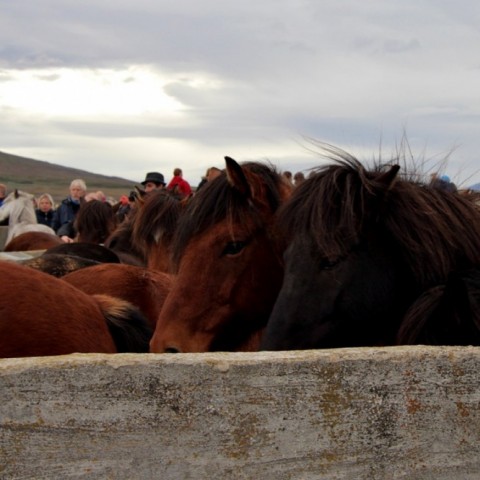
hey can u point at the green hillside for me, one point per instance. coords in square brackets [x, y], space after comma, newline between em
[37, 177]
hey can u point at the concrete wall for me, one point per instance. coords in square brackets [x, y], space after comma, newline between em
[392, 413]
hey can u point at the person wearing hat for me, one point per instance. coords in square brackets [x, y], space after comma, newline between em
[153, 181]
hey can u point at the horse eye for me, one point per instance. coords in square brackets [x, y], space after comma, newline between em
[233, 248]
[329, 264]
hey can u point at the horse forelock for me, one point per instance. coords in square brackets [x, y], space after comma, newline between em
[328, 207]
[436, 231]
[218, 202]
[156, 219]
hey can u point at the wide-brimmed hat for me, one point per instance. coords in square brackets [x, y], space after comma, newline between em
[154, 177]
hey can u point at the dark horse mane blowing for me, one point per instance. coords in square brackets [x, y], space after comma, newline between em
[376, 257]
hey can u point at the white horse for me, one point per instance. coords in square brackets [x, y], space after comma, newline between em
[19, 209]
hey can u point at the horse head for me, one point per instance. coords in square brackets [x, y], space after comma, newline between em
[362, 246]
[228, 266]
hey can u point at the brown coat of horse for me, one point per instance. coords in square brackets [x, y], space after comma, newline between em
[43, 315]
[144, 288]
[29, 241]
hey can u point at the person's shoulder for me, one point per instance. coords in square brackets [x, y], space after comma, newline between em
[64, 204]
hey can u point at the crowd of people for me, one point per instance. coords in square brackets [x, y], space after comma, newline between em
[90, 217]
[94, 206]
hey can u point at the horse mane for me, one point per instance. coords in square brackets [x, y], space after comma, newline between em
[121, 242]
[436, 231]
[94, 222]
[218, 201]
[156, 220]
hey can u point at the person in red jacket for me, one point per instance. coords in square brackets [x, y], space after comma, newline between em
[178, 185]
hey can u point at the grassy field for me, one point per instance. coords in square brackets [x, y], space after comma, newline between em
[37, 177]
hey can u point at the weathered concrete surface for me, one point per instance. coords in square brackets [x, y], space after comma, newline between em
[391, 413]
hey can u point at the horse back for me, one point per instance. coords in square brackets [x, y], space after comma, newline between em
[42, 315]
[32, 241]
[143, 288]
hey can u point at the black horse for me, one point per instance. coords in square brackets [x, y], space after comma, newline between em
[375, 257]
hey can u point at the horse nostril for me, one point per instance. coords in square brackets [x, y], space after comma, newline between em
[172, 350]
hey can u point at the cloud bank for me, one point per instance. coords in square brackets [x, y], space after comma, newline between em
[126, 87]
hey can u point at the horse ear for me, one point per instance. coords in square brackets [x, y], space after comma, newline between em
[16, 194]
[388, 178]
[140, 197]
[236, 177]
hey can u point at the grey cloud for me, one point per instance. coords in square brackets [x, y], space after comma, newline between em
[400, 46]
[342, 72]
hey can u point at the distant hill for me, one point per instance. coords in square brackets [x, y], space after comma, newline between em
[37, 177]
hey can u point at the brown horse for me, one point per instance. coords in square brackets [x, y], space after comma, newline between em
[154, 227]
[121, 242]
[144, 237]
[29, 241]
[43, 315]
[94, 222]
[143, 288]
[229, 269]
[58, 264]
[69, 257]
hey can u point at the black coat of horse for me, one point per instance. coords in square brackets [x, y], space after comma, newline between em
[374, 257]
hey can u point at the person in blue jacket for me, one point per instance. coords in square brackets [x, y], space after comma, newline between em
[67, 211]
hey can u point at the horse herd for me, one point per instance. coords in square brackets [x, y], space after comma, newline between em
[354, 256]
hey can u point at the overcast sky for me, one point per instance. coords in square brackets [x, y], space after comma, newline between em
[122, 87]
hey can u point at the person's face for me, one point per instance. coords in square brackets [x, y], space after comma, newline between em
[44, 205]
[149, 186]
[76, 192]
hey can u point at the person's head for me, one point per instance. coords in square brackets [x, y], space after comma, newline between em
[298, 178]
[177, 172]
[45, 202]
[90, 196]
[213, 172]
[3, 190]
[101, 196]
[153, 181]
[78, 189]
[98, 195]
